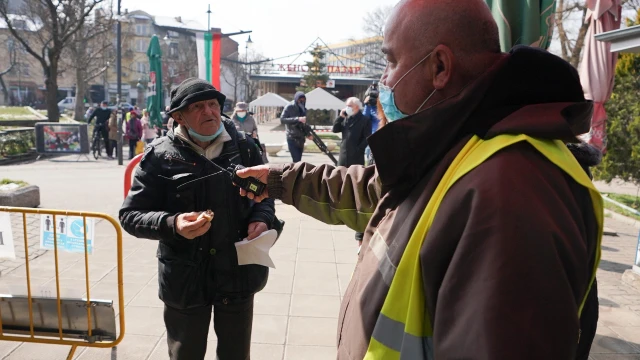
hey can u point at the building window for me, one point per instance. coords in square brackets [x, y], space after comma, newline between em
[142, 45]
[141, 29]
[172, 71]
[173, 50]
[173, 34]
[141, 68]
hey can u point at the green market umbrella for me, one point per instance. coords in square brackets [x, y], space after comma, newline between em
[154, 90]
[524, 22]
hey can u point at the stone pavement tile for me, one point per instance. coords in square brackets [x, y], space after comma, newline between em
[608, 342]
[618, 317]
[629, 333]
[148, 296]
[97, 270]
[283, 267]
[312, 331]
[141, 257]
[316, 255]
[279, 283]
[313, 278]
[6, 347]
[295, 352]
[315, 239]
[144, 321]
[347, 256]
[269, 329]
[107, 290]
[287, 241]
[315, 306]
[309, 223]
[27, 351]
[614, 357]
[271, 304]
[132, 347]
[133, 274]
[283, 253]
[161, 351]
[344, 241]
[266, 351]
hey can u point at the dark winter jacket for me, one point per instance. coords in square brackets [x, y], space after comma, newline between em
[102, 117]
[355, 131]
[587, 156]
[508, 258]
[173, 179]
[290, 116]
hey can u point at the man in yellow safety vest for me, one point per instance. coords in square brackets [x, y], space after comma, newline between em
[482, 230]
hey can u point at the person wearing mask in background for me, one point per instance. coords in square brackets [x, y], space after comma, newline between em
[382, 121]
[483, 231]
[294, 116]
[134, 132]
[102, 115]
[245, 122]
[371, 110]
[113, 134]
[148, 131]
[355, 128]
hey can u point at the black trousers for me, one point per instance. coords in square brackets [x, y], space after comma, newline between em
[187, 330]
[132, 148]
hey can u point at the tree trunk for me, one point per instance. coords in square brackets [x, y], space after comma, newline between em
[5, 91]
[51, 83]
[80, 91]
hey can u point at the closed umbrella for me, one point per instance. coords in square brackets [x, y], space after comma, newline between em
[154, 91]
[524, 22]
[597, 69]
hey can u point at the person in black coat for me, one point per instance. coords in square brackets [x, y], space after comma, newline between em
[198, 271]
[355, 128]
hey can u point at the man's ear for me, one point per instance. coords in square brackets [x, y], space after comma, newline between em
[441, 66]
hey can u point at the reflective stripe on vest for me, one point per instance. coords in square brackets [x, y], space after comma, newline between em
[404, 329]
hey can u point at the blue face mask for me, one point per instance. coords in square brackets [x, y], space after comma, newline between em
[204, 138]
[387, 98]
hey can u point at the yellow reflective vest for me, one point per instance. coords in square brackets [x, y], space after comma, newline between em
[404, 329]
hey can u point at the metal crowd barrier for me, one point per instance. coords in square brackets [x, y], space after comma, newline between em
[63, 321]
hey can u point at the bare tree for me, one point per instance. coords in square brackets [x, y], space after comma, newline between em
[572, 27]
[374, 20]
[90, 53]
[233, 74]
[45, 30]
[11, 53]
[181, 59]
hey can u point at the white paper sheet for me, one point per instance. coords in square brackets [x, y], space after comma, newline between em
[256, 251]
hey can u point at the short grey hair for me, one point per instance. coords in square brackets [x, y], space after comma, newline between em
[356, 101]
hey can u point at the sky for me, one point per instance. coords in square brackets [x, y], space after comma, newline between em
[279, 27]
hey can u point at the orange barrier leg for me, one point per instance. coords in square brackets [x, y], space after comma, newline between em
[128, 171]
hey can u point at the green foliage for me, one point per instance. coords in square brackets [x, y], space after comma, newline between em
[317, 73]
[622, 159]
[16, 142]
[319, 117]
[17, 182]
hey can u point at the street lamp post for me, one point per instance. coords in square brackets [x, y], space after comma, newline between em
[119, 77]
[246, 61]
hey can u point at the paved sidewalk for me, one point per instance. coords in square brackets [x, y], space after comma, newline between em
[296, 314]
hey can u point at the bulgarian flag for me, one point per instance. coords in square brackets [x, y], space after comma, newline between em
[209, 57]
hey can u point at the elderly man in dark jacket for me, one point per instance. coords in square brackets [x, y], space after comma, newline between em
[197, 263]
[355, 128]
[294, 117]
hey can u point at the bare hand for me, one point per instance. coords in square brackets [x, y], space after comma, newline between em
[255, 229]
[302, 119]
[189, 227]
[261, 173]
[310, 137]
[343, 113]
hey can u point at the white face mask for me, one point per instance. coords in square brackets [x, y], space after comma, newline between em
[349, 111]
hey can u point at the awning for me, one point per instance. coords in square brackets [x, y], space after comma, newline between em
[622, 40]
[269, 99]
[320, 99]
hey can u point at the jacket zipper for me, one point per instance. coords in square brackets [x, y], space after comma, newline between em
[171, 159]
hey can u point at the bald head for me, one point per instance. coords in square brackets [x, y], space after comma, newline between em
[467, 27]
[435, 47]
